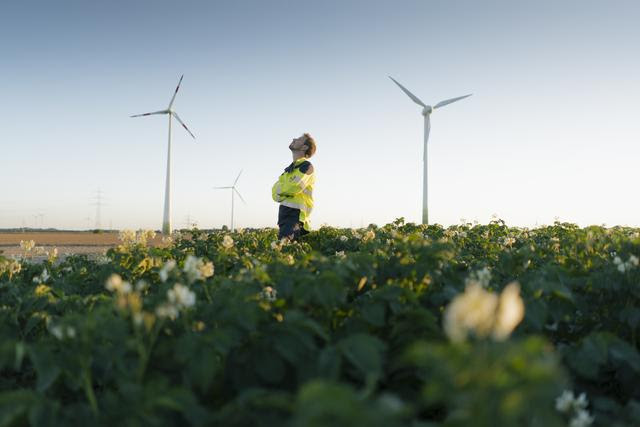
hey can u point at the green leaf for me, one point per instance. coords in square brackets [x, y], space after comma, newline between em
[47, 369]
[365, 352]
[15, 404]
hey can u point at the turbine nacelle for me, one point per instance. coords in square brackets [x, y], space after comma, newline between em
[427, 110]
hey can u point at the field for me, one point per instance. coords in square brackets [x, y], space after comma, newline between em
[400, 325]
[67, 242]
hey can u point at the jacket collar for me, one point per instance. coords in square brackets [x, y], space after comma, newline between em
[295, 163]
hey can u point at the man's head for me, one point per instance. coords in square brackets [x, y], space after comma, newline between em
[304, 144]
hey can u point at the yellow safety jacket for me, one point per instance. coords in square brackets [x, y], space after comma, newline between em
[294, 189]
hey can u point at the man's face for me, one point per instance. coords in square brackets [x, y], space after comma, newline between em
[298, 144]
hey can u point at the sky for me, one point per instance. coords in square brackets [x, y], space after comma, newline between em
[550, 133]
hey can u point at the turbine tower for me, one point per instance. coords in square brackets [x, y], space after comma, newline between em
[233, 191]
[166, 219]
[426, 112]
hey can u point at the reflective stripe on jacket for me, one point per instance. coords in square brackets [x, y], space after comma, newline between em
[294, 189]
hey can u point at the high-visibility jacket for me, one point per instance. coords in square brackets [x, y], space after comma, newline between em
[294, 189]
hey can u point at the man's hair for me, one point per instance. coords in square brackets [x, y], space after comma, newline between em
[311, 145]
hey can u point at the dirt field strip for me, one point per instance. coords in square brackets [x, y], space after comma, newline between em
[67, 242]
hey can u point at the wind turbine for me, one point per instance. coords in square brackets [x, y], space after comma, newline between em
[233, 191]
[426, 112]
[166, 219]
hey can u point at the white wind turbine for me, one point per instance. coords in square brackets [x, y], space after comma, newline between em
[166, 219]
[426, 112]
[233, 192]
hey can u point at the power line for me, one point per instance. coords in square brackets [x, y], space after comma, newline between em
[99, 203]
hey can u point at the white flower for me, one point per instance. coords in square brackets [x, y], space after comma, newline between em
[269, 294]
[57, 332]
[483, 313]
[167, 310]
[340, 254]
[141, 285]
[181, 296]
[633, 260]
[343, 238]
[581, 402]
[565, 401]
[62, 332]
[510, 312]
[369, 235]
[116, 284]
[195, 268]
[474, 310]
[508, 240]
[127, 236]
[166, 269]
[227, 242]
[582, 419]
[42, 278]
[275, 245]
[206, 269]
[191, 268]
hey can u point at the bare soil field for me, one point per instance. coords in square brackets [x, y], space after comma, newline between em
[67, 242]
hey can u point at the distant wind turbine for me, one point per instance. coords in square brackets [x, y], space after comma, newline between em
[166, 219]
[233, 191]
[426, 112]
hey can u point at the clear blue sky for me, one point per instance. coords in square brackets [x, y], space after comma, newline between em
[551, 130]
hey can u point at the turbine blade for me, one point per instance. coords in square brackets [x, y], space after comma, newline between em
[173, 98]
[239, 195]
[149, 114]
[221, 188]
[409, 94]
[237, 178]
[183, 125]
[449, 101]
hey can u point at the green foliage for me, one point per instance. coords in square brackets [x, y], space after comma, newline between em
[341, 328]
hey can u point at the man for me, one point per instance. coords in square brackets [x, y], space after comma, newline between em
[294, 190]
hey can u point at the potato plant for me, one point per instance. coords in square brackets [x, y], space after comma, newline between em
[343, 328]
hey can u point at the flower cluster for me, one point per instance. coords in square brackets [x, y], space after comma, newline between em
[11, 267]
[269, 294]
[343, 238]
[484, 313]
[179, 298]
[508, 241]
[27, 245]
[196, 269]
[369, 235]
[61, 332]
[227, 242]
[116, 284]
[624, 266]
[52, 255]
[141, 237]
[42, 278]
[568, 404]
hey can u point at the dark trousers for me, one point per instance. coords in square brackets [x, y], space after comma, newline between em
[289, 223]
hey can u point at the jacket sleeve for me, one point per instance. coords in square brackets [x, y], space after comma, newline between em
[294, 184]
[276, 191]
